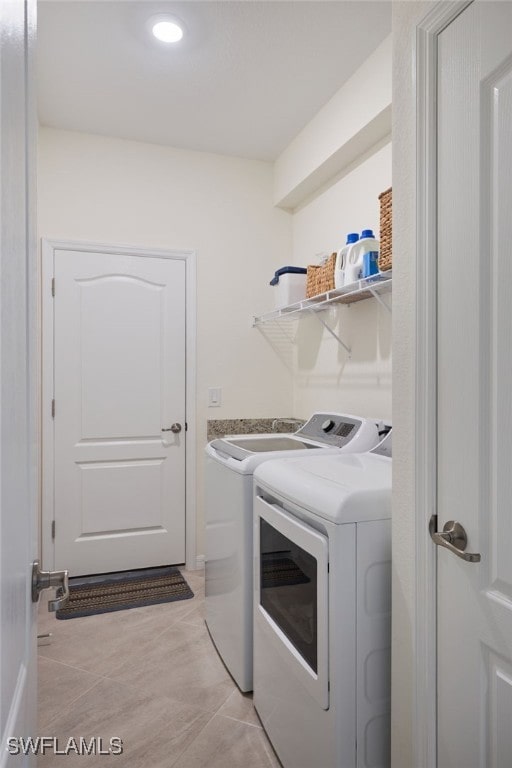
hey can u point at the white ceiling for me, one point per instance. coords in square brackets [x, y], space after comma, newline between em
[246, 79]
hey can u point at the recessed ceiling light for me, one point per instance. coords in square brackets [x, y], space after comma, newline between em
[167, 31]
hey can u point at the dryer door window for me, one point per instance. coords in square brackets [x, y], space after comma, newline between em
[288, 590]
[292, 593]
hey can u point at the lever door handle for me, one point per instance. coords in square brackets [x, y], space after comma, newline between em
[46, 580]
[175, 428]
[452, 537]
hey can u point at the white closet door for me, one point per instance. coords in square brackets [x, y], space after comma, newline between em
[119, 381]
[474, 386]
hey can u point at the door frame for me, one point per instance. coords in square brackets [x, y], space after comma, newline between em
[48, 248]
[425, 399]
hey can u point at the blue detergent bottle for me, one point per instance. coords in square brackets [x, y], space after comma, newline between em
[370, 253]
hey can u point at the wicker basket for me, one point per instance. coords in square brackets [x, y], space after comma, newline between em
[386, 230]
[320, 278]
[312, 280]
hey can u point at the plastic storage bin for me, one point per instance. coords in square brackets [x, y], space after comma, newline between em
[290, 285]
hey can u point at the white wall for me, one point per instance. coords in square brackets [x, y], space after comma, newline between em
[122, 192]
[325, 377]
[331, 174]
[355, 119]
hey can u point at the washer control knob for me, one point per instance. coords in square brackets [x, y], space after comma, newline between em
[327, 425]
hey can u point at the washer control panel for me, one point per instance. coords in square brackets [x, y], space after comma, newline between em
[338, 430]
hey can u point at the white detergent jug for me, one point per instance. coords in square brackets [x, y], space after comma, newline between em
[341, 260]
[356, 257]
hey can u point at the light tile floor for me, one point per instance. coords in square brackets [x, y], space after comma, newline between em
[151, 677]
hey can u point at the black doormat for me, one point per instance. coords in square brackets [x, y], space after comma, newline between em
[89, 595]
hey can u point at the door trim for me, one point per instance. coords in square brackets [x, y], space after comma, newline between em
[48, 248]
[425, 629]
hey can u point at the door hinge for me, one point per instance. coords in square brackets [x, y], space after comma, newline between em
[53, 529]
[186, 426]
[53, 286]
[53, 408]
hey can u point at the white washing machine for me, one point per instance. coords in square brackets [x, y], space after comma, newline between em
[322, 608]
[230, 465]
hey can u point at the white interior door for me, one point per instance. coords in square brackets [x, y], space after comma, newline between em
[475, 386]
[18, 458]
[119, 383]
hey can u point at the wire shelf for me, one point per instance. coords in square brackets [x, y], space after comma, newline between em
[367, 288]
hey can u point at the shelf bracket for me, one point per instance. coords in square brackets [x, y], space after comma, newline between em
[282, 342]
[333, 333]
[285, 330]
[379, 298]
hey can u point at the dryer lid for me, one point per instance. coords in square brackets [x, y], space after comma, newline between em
[344, 488]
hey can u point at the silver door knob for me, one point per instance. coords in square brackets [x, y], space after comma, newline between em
[452, 537]
[176, 428]
[46, 580]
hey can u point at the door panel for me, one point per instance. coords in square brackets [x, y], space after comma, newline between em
[119, 380]
[112, 335]
[497, 126]
[133, 490]
[474, 384]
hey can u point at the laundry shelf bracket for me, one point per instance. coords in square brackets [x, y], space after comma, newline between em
[376, 295]
[331, 331]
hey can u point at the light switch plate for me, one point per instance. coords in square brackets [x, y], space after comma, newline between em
[214, 397]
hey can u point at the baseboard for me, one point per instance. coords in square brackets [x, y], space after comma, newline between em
[199, 562]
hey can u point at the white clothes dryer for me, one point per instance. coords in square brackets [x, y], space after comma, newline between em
[322, 608]
[230, 464]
